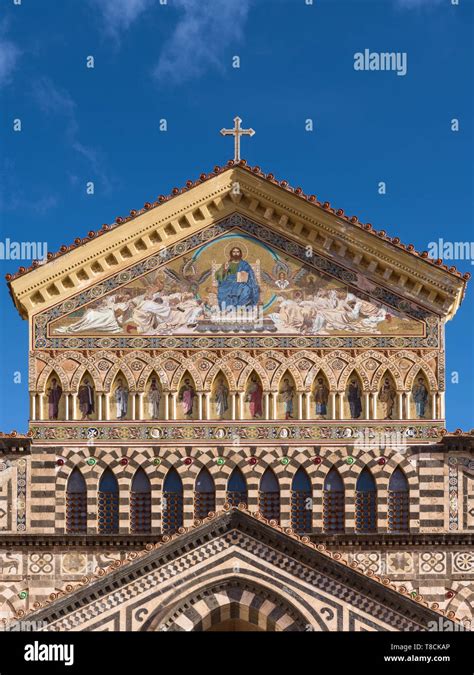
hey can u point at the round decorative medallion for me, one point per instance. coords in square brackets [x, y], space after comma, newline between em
[220, 461]
[157, 461]
[188, 461]
[91, 461]
[284, 461]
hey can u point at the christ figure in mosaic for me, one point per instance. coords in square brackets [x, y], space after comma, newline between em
[54, 396]
[186, 397]
[237, 285]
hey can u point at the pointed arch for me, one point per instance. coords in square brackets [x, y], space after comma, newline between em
[76, 503]
[108, 503]
[252, 365]
[398, 502]
[204, 495]
[333, 502]
[51, 366]
[172, 502]
[122, 368]
[140, 503]
[366, 502]
[269, 496]
[301, 501]
[237, 492]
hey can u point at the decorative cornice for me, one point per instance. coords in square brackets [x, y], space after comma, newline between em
[326, 206]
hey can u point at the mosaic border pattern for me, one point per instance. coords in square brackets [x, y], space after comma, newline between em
[41, 339]
[94, 433]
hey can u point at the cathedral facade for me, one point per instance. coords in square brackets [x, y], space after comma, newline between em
[237, 422]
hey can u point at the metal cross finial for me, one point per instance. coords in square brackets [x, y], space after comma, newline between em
[237, 132]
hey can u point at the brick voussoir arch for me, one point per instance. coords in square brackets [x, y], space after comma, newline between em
[50, 368]
[424, 368]
[211, 602]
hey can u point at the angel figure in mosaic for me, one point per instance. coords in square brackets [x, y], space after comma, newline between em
[282, 277]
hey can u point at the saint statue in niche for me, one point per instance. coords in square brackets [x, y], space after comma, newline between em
[86, 399]
[420, 396]
[54, 396]
[236, 282]
[354, 398]
[254, 398]
[321, 395]
[121, 400]
[286, 394]
[387, 398]
[186, 397]
[221, 398]
[153, 399]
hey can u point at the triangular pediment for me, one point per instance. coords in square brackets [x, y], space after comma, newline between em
[157, 228]
[235, 560]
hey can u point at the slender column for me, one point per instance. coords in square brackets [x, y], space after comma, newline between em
[33, 406]
[241, 405]
[66, 407]
[400, 405]
[300, 405]
[99, 410]
[41, 406]
[208, 405]
[267, 405]
[200, 405]
[140, 405]
[367, 406]
[74, 406]
[167, 406]
[333, 405]
[134, 406]
[234, 397]
[175, 410]
[442, 405]
[308, 405]
[107, 406]
[274, 395]
[341, 405]
[407, 401]
[375, 397]
[433, 406]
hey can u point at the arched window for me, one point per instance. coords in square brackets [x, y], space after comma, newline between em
[76, 503]
[269, 496]
[172, 503]
[140, 503]
[108, 504]
[333, 502]
[237, 488]
[204, 495]
[398, 502]
[301, 502]
[366, 503]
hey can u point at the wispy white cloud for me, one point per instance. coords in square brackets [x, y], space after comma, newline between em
[413, 4]
[58, 102]
[9, 55]
[204, 30]
[118, 15]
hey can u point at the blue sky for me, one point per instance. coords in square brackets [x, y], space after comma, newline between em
[174, 61]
